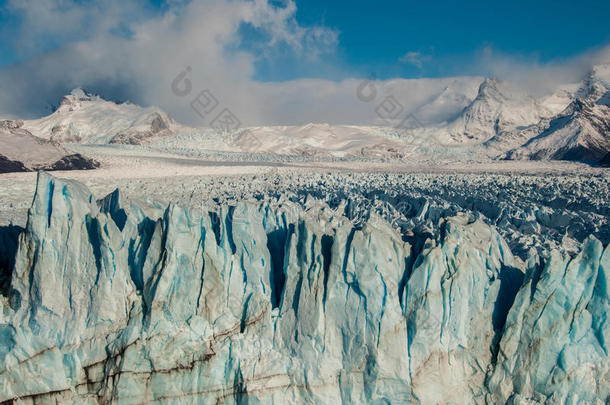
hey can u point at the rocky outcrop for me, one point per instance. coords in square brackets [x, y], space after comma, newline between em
[10, 166]
[281, 303]
[74, 161]
[152, 126]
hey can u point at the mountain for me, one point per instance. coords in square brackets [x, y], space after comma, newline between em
[20, 151]
[85, 118]
[471, 118]
[274, 302]
[314, 140]
[499, 107]
[580, 132]
[497, 120]
[448, 103]
[322, 140]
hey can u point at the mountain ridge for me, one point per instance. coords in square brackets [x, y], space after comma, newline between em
[501, 121]
[580, 132]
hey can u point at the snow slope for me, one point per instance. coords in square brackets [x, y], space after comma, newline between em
[497, 119]
[459, 116]
[498, 107]
[321, 140]
[449, 103]
[281, 303]
[22, 151]
[580, 132]
[86, 118]
[471, 118]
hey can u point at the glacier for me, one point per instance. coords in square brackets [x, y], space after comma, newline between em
[279, 302]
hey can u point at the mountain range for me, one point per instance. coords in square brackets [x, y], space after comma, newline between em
[497, 120]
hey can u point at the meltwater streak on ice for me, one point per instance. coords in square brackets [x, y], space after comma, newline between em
[134, 304]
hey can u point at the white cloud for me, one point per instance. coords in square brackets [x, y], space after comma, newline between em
[153, 47]
[535, 76]
[49, 22]
[414, 58]
[140, 66]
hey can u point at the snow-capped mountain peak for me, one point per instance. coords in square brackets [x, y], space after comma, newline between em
[601, 72]
[88, 118]
[500, 116]
[580, 132]
[596, 85]
[498, 107]
[76, 99]
[489, 91]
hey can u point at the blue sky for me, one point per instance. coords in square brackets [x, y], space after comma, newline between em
[288, 61]
[440, 38]
[374, 35]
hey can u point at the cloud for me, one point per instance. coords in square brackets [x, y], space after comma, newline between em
[414, 58]
[40, 25]
[128, 50]
[204, 40]
[535, 76]
[124, 50]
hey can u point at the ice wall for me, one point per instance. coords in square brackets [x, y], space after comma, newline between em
[279, 303]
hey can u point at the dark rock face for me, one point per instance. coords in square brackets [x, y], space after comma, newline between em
[10, 124]
[605, 161]
[72, 162]
[69, 162]
[10, 166]
[131, 138]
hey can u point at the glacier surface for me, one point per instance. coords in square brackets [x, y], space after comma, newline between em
[287, 302]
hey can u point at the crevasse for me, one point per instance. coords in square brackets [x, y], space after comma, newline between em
[278, 303]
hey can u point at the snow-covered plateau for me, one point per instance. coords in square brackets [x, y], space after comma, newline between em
[342, 287]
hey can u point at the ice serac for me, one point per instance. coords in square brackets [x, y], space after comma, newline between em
[266, 302]
[555, 342]
[457, 298]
